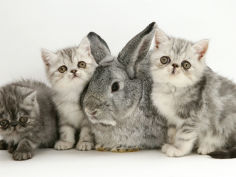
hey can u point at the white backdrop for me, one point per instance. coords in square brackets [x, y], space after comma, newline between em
[28, 25]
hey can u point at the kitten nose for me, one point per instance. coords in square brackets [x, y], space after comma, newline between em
[175, 65]
[73, 71]
[14, 123]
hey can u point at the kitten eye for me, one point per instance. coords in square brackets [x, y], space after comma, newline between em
[165, 59]
[23, 119]
[62, 69]
[115, 87]
[186, 65]
[81, 64]
[4, 123]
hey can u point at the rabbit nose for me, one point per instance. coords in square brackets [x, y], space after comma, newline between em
[91, 112]
[73, 71]
[175, 65]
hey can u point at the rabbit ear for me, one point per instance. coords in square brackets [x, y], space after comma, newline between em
[136, 49]
[99, 47]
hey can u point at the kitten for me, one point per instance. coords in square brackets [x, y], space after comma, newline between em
[69, 71]
[199, 105]
[28, 118]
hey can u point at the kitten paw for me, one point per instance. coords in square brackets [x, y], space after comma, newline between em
[172, 151]
[204, 150]
[63, 145]
[11, 148]
[164, 148]
[22, 155]
[84, 146]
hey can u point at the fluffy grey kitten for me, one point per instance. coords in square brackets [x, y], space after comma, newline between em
[28, 118]
[200, 105]
[68, 71]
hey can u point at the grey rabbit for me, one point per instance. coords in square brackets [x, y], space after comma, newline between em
[117, 100]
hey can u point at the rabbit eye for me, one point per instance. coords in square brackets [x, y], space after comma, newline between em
[115, 87]
[62, 69]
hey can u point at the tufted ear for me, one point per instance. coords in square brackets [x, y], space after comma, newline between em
[136, 49]
[160, 38]
[99, 47]
[48, 57]
[30, 95]
[201, 48]
[84, 46]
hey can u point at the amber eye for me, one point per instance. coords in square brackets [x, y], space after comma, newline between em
[4, 123]
[62, 69]
[186, 65]
[23, 119]
[81, 64]
[115, 87]
[165, 59]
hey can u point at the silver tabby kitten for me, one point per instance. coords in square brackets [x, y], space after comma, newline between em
[200, 105]
[28, 118]
[69, 71]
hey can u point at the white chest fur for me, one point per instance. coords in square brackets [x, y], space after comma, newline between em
[164, 99]
[69, 108]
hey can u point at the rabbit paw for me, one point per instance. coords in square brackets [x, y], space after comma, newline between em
[101, 148]
[124, 149]
[172, 151]
[84, 146]
[22, 155]
[63, 145]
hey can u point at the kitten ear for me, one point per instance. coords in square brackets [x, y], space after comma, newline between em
[30, 95]
[160, 37]
[48, 56]
[201, 47]
[31, 98]
[85, 45]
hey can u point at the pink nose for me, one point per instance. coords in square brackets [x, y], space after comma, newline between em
[91, 112]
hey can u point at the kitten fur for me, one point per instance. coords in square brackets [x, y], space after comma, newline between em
[198, 104]
[33, 100]
[68, 87]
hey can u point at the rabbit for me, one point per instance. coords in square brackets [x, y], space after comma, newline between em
[117, 100]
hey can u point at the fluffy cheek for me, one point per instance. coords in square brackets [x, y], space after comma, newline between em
[86, 74]
[55, 77]
[179, 79]
[160, 74]
[6, 132]
[104, 117]
[2, 131]
[182, 79]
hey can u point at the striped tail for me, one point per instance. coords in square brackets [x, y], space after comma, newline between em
[224, 154]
